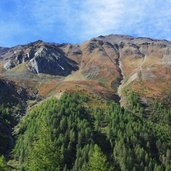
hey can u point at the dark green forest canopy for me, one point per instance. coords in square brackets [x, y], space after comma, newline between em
[12, 107]
[78, 131]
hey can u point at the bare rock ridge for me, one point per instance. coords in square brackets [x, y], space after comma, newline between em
[112, 62]
[39, 57]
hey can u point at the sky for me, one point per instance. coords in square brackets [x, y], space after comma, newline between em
[75, 21]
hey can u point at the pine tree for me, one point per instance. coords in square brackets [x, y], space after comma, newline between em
[44, 156]
[97, 161]
[3, 165]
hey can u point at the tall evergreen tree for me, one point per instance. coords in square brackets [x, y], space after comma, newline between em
[97, 161]
[44, 155]
[3, 165]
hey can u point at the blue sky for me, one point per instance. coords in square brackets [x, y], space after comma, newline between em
[75, 21]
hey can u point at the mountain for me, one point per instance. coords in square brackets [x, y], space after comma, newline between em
[100, 83]
[107, 61]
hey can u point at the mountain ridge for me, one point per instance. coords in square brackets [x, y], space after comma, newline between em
[98, 59]
[100, 36]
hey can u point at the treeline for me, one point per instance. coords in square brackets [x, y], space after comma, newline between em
[72, 134]
[157, 111]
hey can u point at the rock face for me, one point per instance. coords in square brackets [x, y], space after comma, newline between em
[51, 61]
[9, 65]
[114, 61]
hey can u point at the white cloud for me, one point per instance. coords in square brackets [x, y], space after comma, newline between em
[100, 17]
[84, 19]
[79, 20]
[89, 18]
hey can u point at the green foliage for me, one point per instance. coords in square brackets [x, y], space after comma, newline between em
[3, 165]
[97, 161]
[137, 143]
[160, 112]
[69, 134]
[44, 156]
[134, 104]
[8, 119]
[11, 106]
[157, 111]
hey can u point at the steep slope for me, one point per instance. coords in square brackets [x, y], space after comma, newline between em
[114, 62]
[144, 61]
[12, 108]
[38, 57]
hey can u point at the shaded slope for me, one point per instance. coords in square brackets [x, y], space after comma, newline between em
[12, 108]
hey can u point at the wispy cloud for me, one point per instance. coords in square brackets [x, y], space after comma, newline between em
[76, 20]
[80, 19]
[100, 17]
[141, 18]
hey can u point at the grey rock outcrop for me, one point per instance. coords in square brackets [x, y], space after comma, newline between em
[9, 65]
[39, 57]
